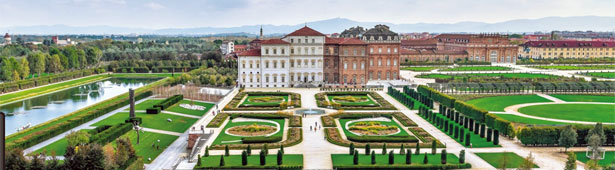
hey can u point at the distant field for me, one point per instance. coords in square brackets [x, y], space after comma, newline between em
[602, 75]
[584, 98]
[578, 112]
[419, 69]
[498, 103]
[506, 75]
[477, 68]
[579, 67]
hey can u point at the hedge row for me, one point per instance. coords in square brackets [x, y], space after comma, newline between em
[40, 136]
[387, 139]
[270, 167]
[384, 104]
[217, 120]
[153, 69]
[401, 97]
[166, 103]
[40, 81]
[471, 111]
[504, 126]
[98, 129]
[111, 134]
[334, 137]
[234, 104]
[327, 121]
[295, 136]
[435, 95]
[261, 139]
[396, 167]
[549, 135]
[293, 121]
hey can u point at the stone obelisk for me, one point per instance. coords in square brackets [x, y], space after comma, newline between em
[131, 93]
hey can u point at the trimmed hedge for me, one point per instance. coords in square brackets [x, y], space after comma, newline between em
[234, 104]
[166, 103]
[261, 139]
[152, 110]
[281, 167]
[383, 104]
[98, 129]
[387, 139]
[471, 111]
[327, 121]
[295, 136]
[217, 120]
[111, 134]
[334, 137]
[441, 98]
[549, 135]
[410, 166]
[40, 81]
[504, 126]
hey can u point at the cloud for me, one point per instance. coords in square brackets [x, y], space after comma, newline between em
[154, 6]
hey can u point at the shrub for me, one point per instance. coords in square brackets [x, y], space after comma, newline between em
[111, 133]
[443, 157]
[409, 157]
[261, 139]
[217, 120]
[244, 158]
[462, 156]
[355, 158]
[391, 158]
[152, 110]
[166, 103]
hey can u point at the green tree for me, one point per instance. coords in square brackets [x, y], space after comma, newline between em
[265, 149]
[402, 150]
[15, 159]
[124, 151]
[571, 162]
[367, 149]
[568, 137]
[54, 64]
[462, 156]
[37, 162]
[373, 155]
[207, 150]
[443, 157]
[282, 148]
[351, 149]
[384, 149]
[425, 160]
[25, 68]
[249, 150]
[76, 138]
[598, 130]
[93, 55]
[221, 160]
[94, 157]
[409, 157]
[7, 69]
[280, 156]
[595, 142]
[468, 137]
[262, 157]
[433, 147]
[226, 150]
[198, 160]
[391, 158]
[355, 158]
[592, 165]
[417, 150]
[244, 158]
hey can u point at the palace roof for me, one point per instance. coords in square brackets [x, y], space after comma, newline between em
[306, 31]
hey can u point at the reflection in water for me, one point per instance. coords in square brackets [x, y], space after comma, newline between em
[46, 107]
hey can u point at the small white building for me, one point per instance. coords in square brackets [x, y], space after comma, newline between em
[227, 47]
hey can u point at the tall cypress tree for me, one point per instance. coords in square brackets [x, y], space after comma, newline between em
[409, 157]
[433, 147]
[391, 158]
[367, 149]
[443, 157]
[384, 149]
[351, 149]
[244, 158]
[280, 156]
[221, 160]
[355, 158]
[417, 150]
[373, 158]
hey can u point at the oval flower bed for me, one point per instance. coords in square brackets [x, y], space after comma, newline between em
[266, 99]
[372, 128]
[252, 130]
[349, 98]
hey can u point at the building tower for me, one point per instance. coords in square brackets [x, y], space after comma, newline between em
[7, 39]
[261, 35]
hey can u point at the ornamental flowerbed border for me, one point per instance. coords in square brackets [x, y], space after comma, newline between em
[295, 136]
[383, 104]
[235, 104]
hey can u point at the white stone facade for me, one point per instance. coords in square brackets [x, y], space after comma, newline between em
[306, 59]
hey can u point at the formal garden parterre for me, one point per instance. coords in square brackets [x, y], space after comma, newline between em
[478, 68]
[352, 100]
[264, 101]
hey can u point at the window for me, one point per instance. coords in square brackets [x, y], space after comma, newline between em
[326, 63]
[243, 65]
[379, 75]
[354, 52]
[313, 50]
[371, 75]
[283, 51]
[292, 64]
[354, 65]
[313, 41]
[266, 64]
[250, 65]
[379, 50]
[345, 79]
[379, 62]
[345, 66]
[371, 50]
[345, 51]
[388, 50]
[292, 51]
[313, 63]
[292, 40]
[283, 80]
[282, 63]
[326, 77]
[362, 65]
[354, 78]
[267, 79]
[394, 62]
[275, 78]
[299, 40]
[275, 51]
[266, 50]
[388, 75]
[275, 64]
[305, 62]
[306, 49]
[362, 79]
[371, 62]
[388, 62]
[257, 65]
[395, 50]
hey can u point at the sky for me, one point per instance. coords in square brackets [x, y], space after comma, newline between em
[156, 14]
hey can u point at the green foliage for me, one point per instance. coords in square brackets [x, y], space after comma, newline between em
[568, 137]
[249, 150]
[425, 159]
[198, 160]
[206, 151]
[355, 158]
[373, 156]
[462, 156]
[75, 138]
[571, 161]
[391, 158]
[351, 149]
[280, 157]
[367, 149]
[111, 133]
[409, 157]
[226, 150]
[244, 158]
[222, 161]
[443, 156]
[433, 147]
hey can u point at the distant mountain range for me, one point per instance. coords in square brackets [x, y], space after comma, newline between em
[577, 23]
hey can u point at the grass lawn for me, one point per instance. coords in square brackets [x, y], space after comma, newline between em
[498, 103]
[603, 75]
[363, 100]
[525, 120]
[146, 74]
[251, 100]
[144, 148]
[420, 69]
[579, 67]
[609, 157]
[146, 104]
[578, 112]
[31, 92]
[390, 123]
[495, 159]
[237, 139]
[346, 159]
[584, 98]
[155, 121]
[59, 147]
[213, 161]
[477, 68]
[178, 109]
[506, 75]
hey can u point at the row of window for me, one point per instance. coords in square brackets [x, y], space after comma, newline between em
[580, 49]
[274, 78]
[292, 40]
[274, 63]
[282, 51]
[371, 50]
[579, 53]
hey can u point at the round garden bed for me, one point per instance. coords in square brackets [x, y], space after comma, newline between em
[266, 99]
[251, 130]
[372, 128]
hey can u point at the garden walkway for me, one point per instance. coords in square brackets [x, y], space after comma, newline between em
[554, 99]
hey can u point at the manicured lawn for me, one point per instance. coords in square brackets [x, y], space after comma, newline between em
[146, 104]
[477, 68]
[347, 160]
[155, 121]
[237, 139]
[579, 112]
[525, 120]
[59, 147]
[420, 69]
[47, 89]
[213, 161]
[579, 67]
[495, 159]
[250, 100]
[364, 100]
[609, 157]
[609, 75]
[146, 74]
[390, 123]
[178, 109]
[144, 148]
[584, 98]
[506, 75]
[498, 103]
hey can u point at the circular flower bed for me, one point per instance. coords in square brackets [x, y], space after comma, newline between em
[251, 130]
[372, 128]
[267, 99]
[350, 98]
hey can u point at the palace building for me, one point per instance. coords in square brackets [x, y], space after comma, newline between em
[308, 58]
[567, 49]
